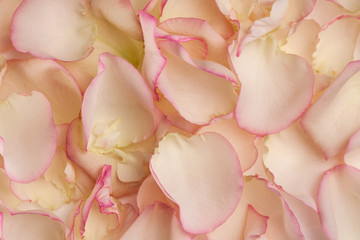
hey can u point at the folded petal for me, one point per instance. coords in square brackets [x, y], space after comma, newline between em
[156, 222]
[331, 130]
[118, 108]
[197, 95]
[336, 45]
[49, 78]
[276, 87]
[339, 203]
[352, 153]
[28, 130]
[202, 175]
[351, 5]
[53, 29]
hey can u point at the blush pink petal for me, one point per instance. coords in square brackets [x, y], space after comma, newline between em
[53, 29]
[276, 87]
[324, 11]
[291, 152]
[203, 9]
[339, 203]
[29, 134]
[156, 222]
[49, 78]
[352, 153]
[106, 118]
[197, 95]
[202, 174]
[256, 224]
[350, 5]
[242, 141]
[153, 62]
[336, 45]
[331, 130]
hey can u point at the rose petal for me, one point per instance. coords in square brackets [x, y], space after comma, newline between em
[197, 95]
[351, 5]
[49, 78]
[107, 120]
[49, 28]
[336, 45]
[189, 172]
[324, 11]
[156, 222]
[256, 224]
[31, 115]
[339, 203]
[276, 87]
[331, 130]
[352, 153]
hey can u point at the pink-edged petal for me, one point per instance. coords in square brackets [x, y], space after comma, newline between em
[350, 5]
[276, 87]
[352, 154]
[118, 88]
[302, 41]
[149, 193]
[290, 153]
[339, 203]
[298, 10]
[49, 78]
[202, 174]
[242, 141]
[202, 9]
[324, 11]
[156, 222]
[331, 130]
[154, 7]
[197, 95]
[27, 156]
[216, 44]
[307, 217]
[92, 163]
[120, 14]
[336, 45]
[153, 62]
[269, 205]
[53, 29]
[256, 224]
[30, 225]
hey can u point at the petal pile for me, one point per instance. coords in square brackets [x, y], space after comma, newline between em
[179, 120]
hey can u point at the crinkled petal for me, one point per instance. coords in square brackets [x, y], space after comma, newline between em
[197, 95]
[331, 130]
[49, 78]
[336, 45]
[339, 203]
[118, 88]
[27, 156]
[53, 29]
[156, 222]
[202, 175]
[276, 87]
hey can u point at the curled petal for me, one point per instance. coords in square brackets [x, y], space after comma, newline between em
[276, 87]
[331, 130]
[352, 153]
[351, 5]
[202, 175]
[118, 88]
[31, 115]
[53, 29]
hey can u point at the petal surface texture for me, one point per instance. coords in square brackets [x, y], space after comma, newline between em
[27, 156]
[276, 87]
[50, 28]
[339, 203]
[118, 108]
[323, 121]
[202, 174]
